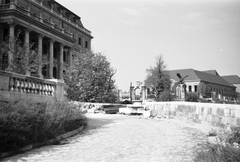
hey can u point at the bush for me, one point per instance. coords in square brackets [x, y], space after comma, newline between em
[192, 97]
[23, 122]
[226, 149]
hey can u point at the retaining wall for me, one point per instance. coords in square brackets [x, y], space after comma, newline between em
[215, 114]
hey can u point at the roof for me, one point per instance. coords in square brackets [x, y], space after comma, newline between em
[233, 79]
[214, 72]
[194, 75]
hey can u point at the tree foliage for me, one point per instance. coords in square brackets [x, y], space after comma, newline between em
[91, 78]
[159, 80]
[25, 59]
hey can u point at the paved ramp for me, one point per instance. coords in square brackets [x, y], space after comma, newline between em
[119, 138]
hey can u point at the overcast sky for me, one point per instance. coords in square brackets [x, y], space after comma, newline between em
[198, 34]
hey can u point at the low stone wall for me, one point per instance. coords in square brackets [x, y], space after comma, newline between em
[215, 114]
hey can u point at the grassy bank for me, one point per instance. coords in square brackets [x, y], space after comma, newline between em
[24, 122]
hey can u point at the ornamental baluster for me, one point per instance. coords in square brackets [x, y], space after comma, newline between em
[23, 86]
[37, 87]
[30, 86]
[11, 84]
[49, 90]
[33, 87]
[44, 89]
[53, 90]
[40, 88]
[18, 87]
[26, 86]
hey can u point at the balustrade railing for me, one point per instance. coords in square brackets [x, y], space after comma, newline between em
[21, 10]
[17, 83]
[31, 86]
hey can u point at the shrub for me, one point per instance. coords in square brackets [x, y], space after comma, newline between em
[226, 148]
[23, 122]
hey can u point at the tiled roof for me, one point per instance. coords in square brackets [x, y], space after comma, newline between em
[194, 75]
[214, 72]
[233, 79]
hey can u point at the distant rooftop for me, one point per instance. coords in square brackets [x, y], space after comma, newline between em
[233, 79]
[194, 75]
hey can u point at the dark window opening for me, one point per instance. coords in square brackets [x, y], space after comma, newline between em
[34, 44]
[80, 41]
[5, 34]
[44, 71]
[55, 53]
[190, 88]
[55, 72]
[195, 87]
[64, 56]
[45, 49]
[86, 44]
[7, 1]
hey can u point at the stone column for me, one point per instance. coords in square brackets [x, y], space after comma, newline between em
[70, 59]
[11, 42]
[61, 62]
[40, 37]
[26, 44]
[50, 69]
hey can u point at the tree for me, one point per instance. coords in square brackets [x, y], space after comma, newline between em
[159, 80]
[91, 78]
[25, 59]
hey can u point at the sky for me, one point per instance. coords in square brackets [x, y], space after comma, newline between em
[197, 34]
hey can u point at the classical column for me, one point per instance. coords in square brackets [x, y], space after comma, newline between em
[26, 44]
[11, 42]
[61, 62]
[40, 37]
[50, 72]
[70, 59]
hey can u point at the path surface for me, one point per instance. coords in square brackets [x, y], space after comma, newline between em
[119, 138]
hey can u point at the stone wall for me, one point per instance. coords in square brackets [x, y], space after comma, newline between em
[215, 114]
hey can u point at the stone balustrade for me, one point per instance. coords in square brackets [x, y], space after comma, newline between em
[12, 84]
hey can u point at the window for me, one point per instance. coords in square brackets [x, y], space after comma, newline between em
[80, 41]
[86, 44]
[7, 1]
[190, 88]
[55, 53]
[195, 88]
[64, 56]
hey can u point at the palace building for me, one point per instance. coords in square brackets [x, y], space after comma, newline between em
[55, 32]
[53, 29]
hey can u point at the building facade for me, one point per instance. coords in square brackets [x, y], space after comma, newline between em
[53, 30]
[205, 84]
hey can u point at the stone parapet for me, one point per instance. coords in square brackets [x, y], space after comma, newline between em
[215, 114]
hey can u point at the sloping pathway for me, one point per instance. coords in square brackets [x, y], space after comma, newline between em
[119, 138]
